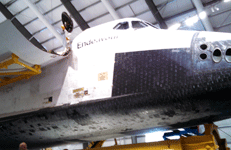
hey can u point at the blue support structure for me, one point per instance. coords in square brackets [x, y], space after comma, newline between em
[187, 132]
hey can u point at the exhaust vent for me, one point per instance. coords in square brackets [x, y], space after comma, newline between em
[228, 55]
[203, 56]
[217, 55]
[203, 46]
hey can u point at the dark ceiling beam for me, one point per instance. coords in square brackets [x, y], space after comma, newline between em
[156, 14]
[75, 14]
[20, 27]
[212, 2]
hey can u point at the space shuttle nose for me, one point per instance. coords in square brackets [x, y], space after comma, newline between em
[213, 45]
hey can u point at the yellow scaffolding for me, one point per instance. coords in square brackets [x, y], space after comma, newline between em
[31, 71]
[210, 141]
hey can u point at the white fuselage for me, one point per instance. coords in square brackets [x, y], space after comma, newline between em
[89, 68]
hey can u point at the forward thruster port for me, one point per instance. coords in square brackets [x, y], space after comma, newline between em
[203, 56]
[203, 46]
[217, 55]
[228, 55]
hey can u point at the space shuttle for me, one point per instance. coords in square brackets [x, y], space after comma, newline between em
[124, 77]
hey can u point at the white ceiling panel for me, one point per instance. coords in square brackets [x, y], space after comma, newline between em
[218, 8]
[79, 5]
[160, 2]
[94, 11]
[221, 19]
[223, 123]
[175, 7]
[125, 12]
[55, 15]
[118, 3]
[101, 20]
[139, 6]
[26, 16]
[181, 18]
[2, 18]
[35, 26]
[225, 29]
[47, 5]
[4, 1]
[17, 7]
[225, 133]
[147, 16]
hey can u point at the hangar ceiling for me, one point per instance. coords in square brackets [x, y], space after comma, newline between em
[95, 12]
[173, 14]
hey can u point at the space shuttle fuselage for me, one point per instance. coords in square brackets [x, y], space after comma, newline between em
[122, 78]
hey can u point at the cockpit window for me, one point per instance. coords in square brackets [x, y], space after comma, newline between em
[122, 26]
[138, 24]
[151, 25]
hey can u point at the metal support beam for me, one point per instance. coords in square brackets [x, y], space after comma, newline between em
[46, 23]
[85, 145]
[110, 9]
[134, 139]
[156, 14]
[20, 27]
[31, 71]
[199, 6]
[75, 14]
[210, 140]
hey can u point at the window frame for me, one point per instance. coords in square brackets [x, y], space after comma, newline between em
[121, 23]
[140, 22]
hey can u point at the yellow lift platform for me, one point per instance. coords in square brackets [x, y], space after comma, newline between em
[209, 141]
[30, 71]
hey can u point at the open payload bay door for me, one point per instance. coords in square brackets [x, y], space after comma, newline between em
[19, 58]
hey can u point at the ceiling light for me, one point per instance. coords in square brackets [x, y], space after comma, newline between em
[212, 9]
[175, 26]
[202, 15]
[217, 8]
[192, 20]
[227, 1]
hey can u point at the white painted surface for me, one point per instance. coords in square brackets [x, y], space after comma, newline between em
[66, 80]
[16, 43]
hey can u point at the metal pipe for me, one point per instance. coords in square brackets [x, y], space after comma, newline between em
[110, 9]
[156, 14]
[46, 23]
[200, 8]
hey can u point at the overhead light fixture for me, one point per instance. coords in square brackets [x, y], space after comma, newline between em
[175, 26]
[202, 15]
[214, 8]
[227, 1]
[192, 20]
